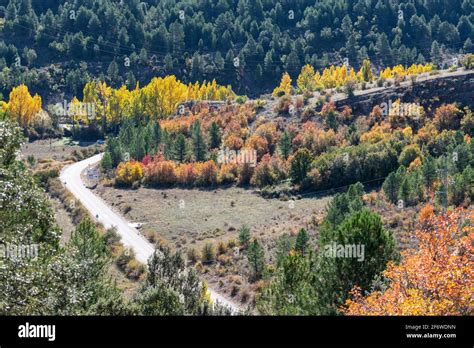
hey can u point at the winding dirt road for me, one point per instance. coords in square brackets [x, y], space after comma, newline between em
[131, 238]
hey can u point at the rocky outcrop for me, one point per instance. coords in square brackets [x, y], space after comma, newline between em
[432, 91]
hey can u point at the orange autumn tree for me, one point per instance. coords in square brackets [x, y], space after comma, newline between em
[436, 279]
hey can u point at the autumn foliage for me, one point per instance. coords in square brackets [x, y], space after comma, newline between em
[22, 106]
[337, 76]
[156, 100]
[400, 70]
[284, 87]
[165, 173]
[129, 172]
[435, 279]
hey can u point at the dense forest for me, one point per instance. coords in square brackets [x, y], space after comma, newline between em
[56, 46]
[175, 95]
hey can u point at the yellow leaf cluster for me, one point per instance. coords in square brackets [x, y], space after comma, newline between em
[208, 91]
[22, 106]
[335, 76]
[399, 70]
[378, 133]
[338, 76]
[285, 86]
[306, 80]
[157, 100]
[129, 172]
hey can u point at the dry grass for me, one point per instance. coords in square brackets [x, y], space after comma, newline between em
[209, 215]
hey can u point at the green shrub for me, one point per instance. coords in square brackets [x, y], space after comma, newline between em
[208, 254]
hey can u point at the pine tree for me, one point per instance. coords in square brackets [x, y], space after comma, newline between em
[299, 165]
[284, 144]
[137, 147]
[436, 53]
[208, 254]
[343, 204]
[338, 275]
[256, 259]
[115, 151]
[331, 121]
[179, 148]
[391, 186]
[214, 136]
[244, 236]
[301, 241]
[354, 196]
[156, 133]
[169, 63]
[131, 81]
[429, 170]
[199, 146]
[293, 64]
[283, 247]
[106, 162]
[382, 47]
[90, 249]
[196, 67]
[168, 145]
[404, 193]
[219, 61]
[113, 72]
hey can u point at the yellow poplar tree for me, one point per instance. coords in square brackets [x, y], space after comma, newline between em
[366, 71]
[285, 85]
[118, 105]
[305, 81]
[22, 106]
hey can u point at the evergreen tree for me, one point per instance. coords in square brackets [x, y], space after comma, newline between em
[106, 161]
[284, 144]
[115, 151]
[90, 251]
[338, 273]
[429, 170]
[344, 204]
[156, 133]
[301, 241]
[436, 53]
[113, 72]
[331, 120]
[214, 136]
[404, 192]
[199, 146]
[391, 186]
[299, 165]
[244, 236]
[219, 61]
[169, 63]
[382, 47]
[131, 81]
[291, 290]
[256, 259]
[283, 247]
[138, 146]
[179, 151]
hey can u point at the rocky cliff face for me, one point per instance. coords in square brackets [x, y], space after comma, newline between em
[433, 92]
